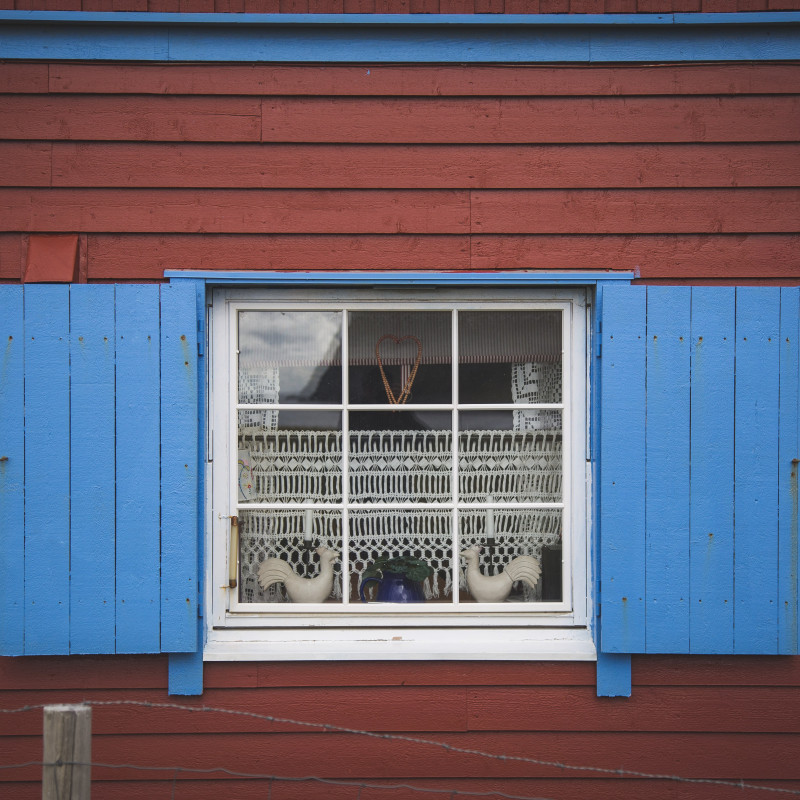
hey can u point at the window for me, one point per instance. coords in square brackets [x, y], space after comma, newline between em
[398, 462]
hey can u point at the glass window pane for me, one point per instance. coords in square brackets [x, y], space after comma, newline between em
[290, 555]
[525, 545]
[499, 462]
[290, 357]
[400, 456]
[408, 551]
[400, 357]
[509, 356]
[299, 459]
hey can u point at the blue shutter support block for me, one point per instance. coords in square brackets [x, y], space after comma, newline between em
[138, 455]
[711, 521]
[401, 38]
[92, 472]
[12, 472]
[47, 478]
[613, 674]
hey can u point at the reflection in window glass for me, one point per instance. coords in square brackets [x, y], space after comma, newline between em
[290, 357]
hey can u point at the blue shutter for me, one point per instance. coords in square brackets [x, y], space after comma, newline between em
[698, 460]
[98, 469]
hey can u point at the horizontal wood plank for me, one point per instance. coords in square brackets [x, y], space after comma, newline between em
[144, 118]
[146, 257]
[235, 211]
[657, 256]
[726, 756]
[21, 77]
[636, 211]
[11, 256]
[402, 166]
[525, 120]
[25, 163]
[389, 80]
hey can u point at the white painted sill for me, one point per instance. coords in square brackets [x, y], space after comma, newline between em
[401, 644]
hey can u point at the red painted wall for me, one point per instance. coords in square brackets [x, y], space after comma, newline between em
[687, 173]
[726, 719]
[683, 172]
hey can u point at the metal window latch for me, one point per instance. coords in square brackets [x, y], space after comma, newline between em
[233, 555]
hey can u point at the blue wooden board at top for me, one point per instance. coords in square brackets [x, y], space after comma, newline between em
[12, 476]
[92, 480]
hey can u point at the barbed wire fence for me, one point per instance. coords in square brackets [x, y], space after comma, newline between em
[359, 786]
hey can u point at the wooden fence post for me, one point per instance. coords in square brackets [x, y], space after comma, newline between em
[68, 747]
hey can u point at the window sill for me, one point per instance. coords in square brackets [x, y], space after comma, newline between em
[401, 644]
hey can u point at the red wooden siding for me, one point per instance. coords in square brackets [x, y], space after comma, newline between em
[682, 172]
[727, 719]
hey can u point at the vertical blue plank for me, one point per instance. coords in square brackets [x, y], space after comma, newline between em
[138, 425]
[622, 470]
[12, 467]
[179, 478]
[47, 486]
[667, 478]
[756, 470]
[92, 481]
[713, 368]
[788, 473]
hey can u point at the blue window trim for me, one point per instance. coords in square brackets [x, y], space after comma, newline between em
[399, 38]
[186, 669]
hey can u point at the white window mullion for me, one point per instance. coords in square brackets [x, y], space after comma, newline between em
[345, 557]
[454, 437]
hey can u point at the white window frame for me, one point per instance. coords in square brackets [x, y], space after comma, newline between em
[299, 632]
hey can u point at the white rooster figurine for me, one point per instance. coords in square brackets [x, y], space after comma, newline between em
[300, 590]
[496, 588]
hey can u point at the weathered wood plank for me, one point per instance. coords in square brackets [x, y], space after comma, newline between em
[23, 78]
[25, 163]
[235, 211]
[146, 257]
[712, 480]
[667, 474]
[47, 479]
[523, 120]
[404, 166]
[636, 211]
[12, 471]
[675, 257]
[11, 256]
[756, 470]
[623, 468]
[138, 511]
[230, 119]
[92, 473]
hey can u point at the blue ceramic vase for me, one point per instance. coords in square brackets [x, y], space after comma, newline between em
[394, 587]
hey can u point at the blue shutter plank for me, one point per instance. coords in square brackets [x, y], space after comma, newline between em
[622, 465]
[667, 472]
[92, 530]
[138, 502]
[756, 470]
[12, 465]
[179, 426]
[711, 549]
[47, 479]
[788, 469]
